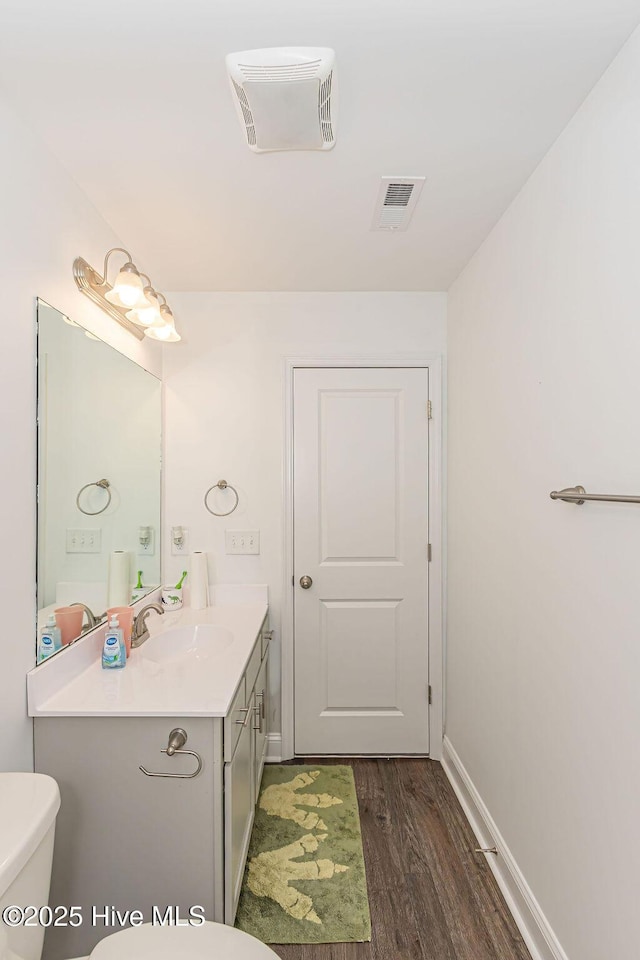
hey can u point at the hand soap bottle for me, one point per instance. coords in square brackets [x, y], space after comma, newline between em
[114, 652]
[50, 639]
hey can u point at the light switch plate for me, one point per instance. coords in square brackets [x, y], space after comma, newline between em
[242, 541]
[83, 541]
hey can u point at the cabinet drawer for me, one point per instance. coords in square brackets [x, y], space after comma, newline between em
[253, 667]
[233, 722]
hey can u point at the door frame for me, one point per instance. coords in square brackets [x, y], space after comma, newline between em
[433, 363]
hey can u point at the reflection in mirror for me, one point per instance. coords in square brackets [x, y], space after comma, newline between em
[99, 450]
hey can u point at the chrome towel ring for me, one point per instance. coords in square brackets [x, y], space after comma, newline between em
[104, 484]
[221, 485]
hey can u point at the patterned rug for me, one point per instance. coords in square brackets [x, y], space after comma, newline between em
[305, 880]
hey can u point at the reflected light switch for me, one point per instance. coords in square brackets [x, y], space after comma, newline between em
[83, 541]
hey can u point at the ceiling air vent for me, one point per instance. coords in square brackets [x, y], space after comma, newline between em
[396, 201]
[285, 97]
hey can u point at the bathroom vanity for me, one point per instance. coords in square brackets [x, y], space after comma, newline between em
[175, 836]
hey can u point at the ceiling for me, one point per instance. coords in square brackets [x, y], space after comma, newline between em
[133, 98]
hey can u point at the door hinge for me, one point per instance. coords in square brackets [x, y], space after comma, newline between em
[429, 694]
[429, 552]
[293, 580]
[429, 410]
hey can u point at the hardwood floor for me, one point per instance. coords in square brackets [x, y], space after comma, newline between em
[431, 897]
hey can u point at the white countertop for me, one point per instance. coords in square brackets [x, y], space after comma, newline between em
[149, 689]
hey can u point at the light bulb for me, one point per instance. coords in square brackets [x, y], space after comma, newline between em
[129, 295]
[127, 290]
[165, 330]
[148, 311]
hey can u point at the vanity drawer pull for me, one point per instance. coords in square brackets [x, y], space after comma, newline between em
[246, 712]
[257, 718]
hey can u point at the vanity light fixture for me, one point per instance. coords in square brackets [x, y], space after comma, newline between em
[130, 302]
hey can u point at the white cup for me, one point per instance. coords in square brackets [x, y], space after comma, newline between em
[172, 597]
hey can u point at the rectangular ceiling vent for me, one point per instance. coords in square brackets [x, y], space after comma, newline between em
[396, 202]
[285, 97]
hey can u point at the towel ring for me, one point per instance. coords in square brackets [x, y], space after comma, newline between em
[104, 484]
[221, 485]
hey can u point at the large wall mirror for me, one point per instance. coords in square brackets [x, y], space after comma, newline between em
[99, 461]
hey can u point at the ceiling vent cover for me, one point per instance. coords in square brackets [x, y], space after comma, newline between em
[396, 202]
[285, 97]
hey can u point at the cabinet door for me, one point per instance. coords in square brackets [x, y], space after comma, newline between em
[239, 805]
[260, 723]
[166, 844]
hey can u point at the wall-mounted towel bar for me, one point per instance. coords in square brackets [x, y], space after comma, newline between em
[579, 495]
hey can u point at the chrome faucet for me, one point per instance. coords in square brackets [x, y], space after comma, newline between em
[92, 619]
[140, 630]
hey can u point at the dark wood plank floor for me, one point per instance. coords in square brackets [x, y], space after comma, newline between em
[431, 897]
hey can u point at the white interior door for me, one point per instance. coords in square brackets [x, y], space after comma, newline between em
[360, 454]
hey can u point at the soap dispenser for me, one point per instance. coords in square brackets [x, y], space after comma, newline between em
[114, 652]
[50, 639]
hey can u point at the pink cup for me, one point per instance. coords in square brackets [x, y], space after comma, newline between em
[69, 620]
[125, 619]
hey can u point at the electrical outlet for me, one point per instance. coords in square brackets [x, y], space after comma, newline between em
[179, 541]
[146, 541]
[242, 541]
[83, 541]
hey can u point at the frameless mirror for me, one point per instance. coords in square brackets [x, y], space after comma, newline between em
[99, 460]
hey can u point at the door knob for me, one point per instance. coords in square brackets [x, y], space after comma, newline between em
[305, 582]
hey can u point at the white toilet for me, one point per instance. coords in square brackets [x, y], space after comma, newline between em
[29, 803]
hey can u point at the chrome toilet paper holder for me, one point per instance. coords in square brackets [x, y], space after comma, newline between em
[177, 740]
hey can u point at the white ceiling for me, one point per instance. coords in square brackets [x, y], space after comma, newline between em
[132, 96]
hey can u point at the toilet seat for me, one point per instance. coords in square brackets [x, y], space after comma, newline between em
[208, 941]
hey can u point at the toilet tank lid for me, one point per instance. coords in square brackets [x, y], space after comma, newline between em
[29, 803]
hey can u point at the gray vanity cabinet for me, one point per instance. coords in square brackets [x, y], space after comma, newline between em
[129, 841]
[243, 769]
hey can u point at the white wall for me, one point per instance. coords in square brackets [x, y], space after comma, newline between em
[544, 608]
[224, 403]
[46, 222]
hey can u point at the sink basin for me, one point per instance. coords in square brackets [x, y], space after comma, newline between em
[193, 644]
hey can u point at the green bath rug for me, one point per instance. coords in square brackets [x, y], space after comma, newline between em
[305, 880]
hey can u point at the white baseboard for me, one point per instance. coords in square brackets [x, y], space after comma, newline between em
[274, 748]
[531, 921]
